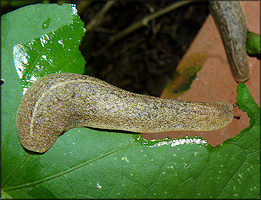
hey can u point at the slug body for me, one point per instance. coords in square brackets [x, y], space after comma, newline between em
[59, 102]
[230, 20]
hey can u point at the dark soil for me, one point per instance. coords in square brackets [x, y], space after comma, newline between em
[145, 60]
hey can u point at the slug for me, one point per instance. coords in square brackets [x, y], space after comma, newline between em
[59, 102]
[230, 20]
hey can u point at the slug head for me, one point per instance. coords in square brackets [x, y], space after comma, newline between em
[47, 109]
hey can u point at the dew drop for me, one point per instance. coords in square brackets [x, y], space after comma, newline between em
[46, 24]
[125, 158]
[98, 186]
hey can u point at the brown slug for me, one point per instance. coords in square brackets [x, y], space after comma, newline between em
[230, 20]
[59, 102]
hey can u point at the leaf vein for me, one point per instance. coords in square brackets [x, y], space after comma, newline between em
[69, 170]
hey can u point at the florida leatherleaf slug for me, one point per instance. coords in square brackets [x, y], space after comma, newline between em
[231, 22]
[58, 102]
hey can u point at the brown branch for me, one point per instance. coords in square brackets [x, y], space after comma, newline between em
[98, 18]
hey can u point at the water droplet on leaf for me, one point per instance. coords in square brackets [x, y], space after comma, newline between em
[46, 24]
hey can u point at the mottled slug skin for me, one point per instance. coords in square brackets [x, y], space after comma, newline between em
[59, 102]
[230, 20]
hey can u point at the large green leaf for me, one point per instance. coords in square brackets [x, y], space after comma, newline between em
[86, 163]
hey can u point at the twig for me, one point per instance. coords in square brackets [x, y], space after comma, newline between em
[143, 22]
[98, 18]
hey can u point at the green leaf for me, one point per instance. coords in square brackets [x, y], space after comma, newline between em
[45, 44]
[253, 43]
[87, 163]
